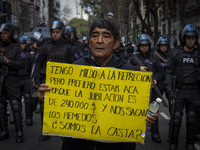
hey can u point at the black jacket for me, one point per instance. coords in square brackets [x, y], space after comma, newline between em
[55, 51]
[115, 62]
[16, 57]
[152, 63]
[176, 69]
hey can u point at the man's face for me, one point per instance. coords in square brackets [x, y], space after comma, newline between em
[144, 48]
[56, 34]
[190, 40]
[163, 48]
[102, 43]
[72, 35]
[5, 36]
[34, 45]
[23, 45]
[85, 42]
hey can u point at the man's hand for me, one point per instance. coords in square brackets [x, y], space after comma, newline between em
[154, 82]
[143, 68]
[41, 91]
[6, 60]
[151, 119]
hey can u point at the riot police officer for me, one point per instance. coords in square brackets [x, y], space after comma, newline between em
[76, 48]
[24, 80]
[56, 50]
[184, 65]
[163, 54]
[85, 45]
[146, 58]
[38, 41]
[13, 60]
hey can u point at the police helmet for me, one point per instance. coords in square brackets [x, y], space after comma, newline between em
[67, 31]
[144, 39]
[163, 40]
[22, 40]
[85, 38]
[7, 27]
[38, 38]
[188, 30]
[56, 25]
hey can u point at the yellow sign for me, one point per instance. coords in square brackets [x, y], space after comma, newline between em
[96, 103]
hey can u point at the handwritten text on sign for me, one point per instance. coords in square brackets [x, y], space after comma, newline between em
[96, 103]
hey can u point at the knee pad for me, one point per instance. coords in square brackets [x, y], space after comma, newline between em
[191, 117]
[177, 118]
[15, 105]
[27, 98]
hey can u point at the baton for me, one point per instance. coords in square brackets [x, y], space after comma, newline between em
[160, 95]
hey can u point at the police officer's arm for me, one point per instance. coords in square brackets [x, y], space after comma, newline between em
[159, 71]
[168, 77]
[39, 63]
[19, 61]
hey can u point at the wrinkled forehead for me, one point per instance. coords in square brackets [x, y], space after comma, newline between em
[98, 30]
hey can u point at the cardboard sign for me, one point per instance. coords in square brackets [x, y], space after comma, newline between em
[96, 103]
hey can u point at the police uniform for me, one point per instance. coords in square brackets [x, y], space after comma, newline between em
[152, 62]
[184, 66]
[55, 51]
[24, 84]
[11, 90]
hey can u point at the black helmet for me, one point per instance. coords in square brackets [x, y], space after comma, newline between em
[38, 38]
[56, 25]
[22, 39]
[188, 30]
[163, 40]
[67, 31]
[144, 39]
[7, 27]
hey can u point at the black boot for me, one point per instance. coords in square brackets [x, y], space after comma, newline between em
[19, 137]
[197, 137]
[29, 109]
[189, 147]
[29, 122]
[191, 129]
[3, 122]
[155, 132]
[44, 138]
[173, 147]
[4, 135]
[16, 108]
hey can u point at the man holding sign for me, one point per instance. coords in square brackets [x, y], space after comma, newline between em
[104, 38]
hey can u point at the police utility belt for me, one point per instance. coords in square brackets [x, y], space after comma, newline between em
[188, 86]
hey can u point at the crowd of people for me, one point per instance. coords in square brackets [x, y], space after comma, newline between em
[23, 72]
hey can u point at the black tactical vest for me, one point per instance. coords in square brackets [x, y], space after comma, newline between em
[186, 66]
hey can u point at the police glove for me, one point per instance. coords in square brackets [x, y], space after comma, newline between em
[171, 95]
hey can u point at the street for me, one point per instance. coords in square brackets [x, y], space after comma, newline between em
[32, 133]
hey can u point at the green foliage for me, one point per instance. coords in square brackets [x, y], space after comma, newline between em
[81, 25]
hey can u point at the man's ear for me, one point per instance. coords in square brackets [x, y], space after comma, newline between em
[116, 44]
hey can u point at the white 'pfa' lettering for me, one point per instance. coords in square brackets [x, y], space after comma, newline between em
[188, 60]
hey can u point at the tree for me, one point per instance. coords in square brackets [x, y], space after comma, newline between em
[65, 13]
[102, 8]
[151, 10]
[81, 26]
